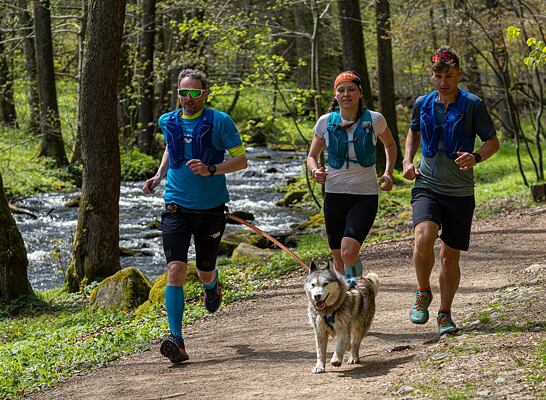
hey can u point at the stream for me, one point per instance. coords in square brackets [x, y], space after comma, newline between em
[48, 238]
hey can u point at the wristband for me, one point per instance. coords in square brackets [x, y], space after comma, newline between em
[477, 157]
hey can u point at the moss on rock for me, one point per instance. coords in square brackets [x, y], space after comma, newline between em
[126, 289]
[156, 298]
[292, 198]
[314, 222]
[232, 239]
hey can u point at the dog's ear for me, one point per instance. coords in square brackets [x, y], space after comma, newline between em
[312, 266]
[331, 264]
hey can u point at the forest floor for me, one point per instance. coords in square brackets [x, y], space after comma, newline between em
[263, 347]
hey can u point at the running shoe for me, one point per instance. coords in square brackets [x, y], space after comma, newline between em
[445, 324]
[419, 309]
[213, 298]
[173, 348]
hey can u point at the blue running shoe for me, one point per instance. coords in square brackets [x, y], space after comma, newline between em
[419, 309]
[213, 298]
[445, 324]
[173, 348]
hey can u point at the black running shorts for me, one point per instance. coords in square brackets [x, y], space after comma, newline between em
[207, 228]
[453, 214]
[348, 215]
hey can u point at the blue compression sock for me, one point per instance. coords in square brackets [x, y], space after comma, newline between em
[174, 303]
[353, 271]
[211, 284]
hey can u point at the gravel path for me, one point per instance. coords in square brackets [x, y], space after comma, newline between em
[263, 348]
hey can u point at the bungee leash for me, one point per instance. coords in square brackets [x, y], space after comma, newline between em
[267, 236]
[173, 208]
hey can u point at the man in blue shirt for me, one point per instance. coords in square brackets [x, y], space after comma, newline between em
[445, 123]
[195, 196]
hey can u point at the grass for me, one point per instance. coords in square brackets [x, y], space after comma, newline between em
[46, 339]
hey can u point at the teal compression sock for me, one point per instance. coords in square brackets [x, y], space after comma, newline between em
[212, 283]
[353, 271]
[174, 303]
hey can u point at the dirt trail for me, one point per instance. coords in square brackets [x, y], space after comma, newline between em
[263, 348]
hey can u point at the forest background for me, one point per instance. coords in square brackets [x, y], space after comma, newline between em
[82, 84]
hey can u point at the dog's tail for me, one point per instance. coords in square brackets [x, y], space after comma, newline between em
[373, 282]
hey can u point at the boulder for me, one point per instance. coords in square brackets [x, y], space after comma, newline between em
[291, 198]
[231, 240]
[126, 289]
[315, 222]
[155, 224]
[156, 298]
[246, 251]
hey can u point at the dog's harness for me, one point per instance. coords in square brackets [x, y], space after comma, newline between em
[330, 319]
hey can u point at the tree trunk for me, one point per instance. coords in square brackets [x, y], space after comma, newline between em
[354, 54]
[386, 81]
[77, 147]
[52, 144]
[304, 23]
[146, 126]
[315, 58]
[29, 51]
[7, 104]
[13, 256]
[96, 242]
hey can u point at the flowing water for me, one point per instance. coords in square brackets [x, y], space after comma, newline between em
[48, 238]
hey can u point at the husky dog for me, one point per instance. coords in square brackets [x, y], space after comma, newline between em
[335, 310]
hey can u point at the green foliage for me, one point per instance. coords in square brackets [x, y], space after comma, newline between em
[137, 166]
[537, 49]
[55, 335]
[23, 175]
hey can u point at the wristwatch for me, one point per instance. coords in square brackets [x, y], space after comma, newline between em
[212, 169]
[477, 157]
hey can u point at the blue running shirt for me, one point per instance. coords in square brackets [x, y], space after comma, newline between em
[186, 189]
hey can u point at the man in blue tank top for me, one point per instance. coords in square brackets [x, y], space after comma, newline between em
[445, 123]
[195, 196]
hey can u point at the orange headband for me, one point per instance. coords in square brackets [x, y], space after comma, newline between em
[347, 77]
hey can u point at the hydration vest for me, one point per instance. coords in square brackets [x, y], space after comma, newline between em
[452, 129]
[201, 144]
[364, 141]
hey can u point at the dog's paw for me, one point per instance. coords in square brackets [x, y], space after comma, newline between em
[318, 370]
[353, 360]
[336, 362]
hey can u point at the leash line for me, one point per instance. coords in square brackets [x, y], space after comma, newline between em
[266, 235]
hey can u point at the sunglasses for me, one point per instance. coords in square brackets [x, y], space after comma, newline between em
[444, 57]
[193, 93]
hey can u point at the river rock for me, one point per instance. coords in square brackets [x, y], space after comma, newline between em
[315, 222]
[73, 202]
[248, 216]
[245, 251]
[126, 289]
[291, 198]
[232, 239]
[155, 224]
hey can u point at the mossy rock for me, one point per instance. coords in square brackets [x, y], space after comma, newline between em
[231, 240]
[247, 251]
[156, 298]
[126, 289]
[314, 222]
[291, 198]
[155, 224]
[73, 202]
